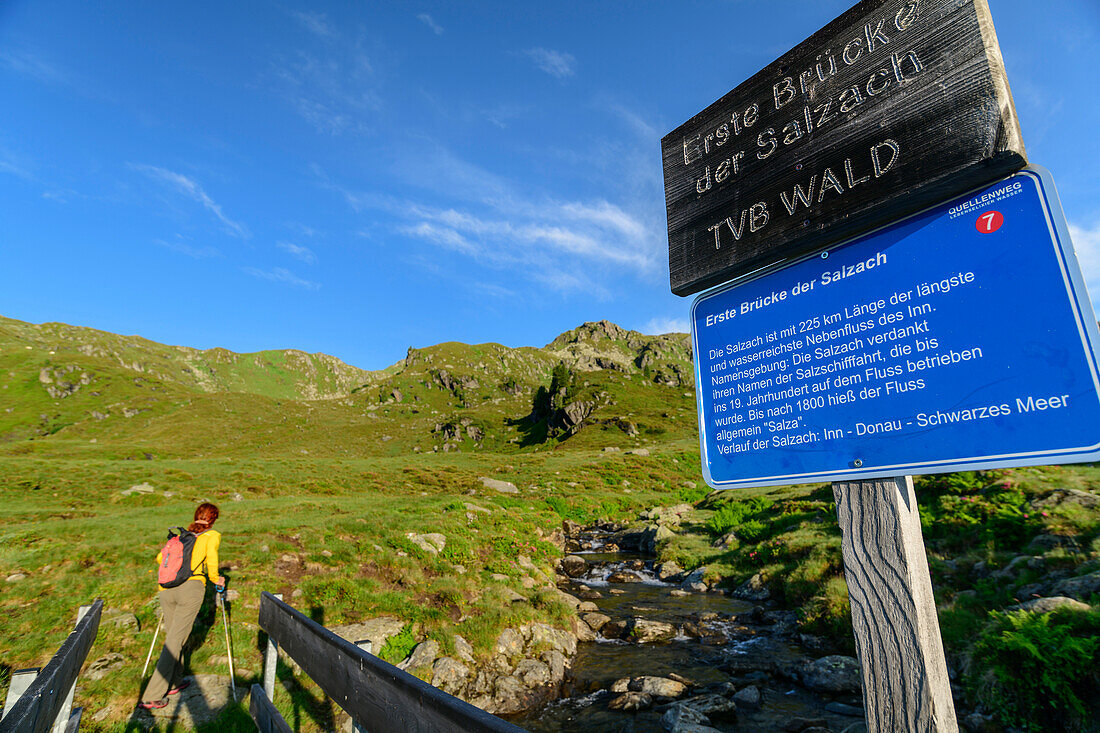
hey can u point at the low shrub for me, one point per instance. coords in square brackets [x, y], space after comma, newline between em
[731, 516]
[1039, 671]
[398, 646]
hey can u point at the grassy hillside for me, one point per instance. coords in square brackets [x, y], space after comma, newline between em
[322, 470]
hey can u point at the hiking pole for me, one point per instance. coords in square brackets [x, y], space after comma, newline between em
[150, 654]
[228, 648]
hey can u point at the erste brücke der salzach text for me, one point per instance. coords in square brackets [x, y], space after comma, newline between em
[762, 390]
[872, 63]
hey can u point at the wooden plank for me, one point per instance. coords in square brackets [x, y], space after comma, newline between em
[21, 679]
[892, 107]
[905, 682]
[72, 725]
[36, 710]
[61, 722]
[271, 662]
[376, 694]
[264, 713]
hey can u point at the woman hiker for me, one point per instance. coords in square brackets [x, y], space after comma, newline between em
[180, 605]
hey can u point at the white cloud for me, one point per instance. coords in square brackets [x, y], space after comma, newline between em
[28, 64]
[428, 21]
[444, 236]
[1086, 242]
[305, 254]
[198, 253]
[190, 188]
[315, 23]
[658, 326]
[554, 63]
[333, 92]
[282, 275]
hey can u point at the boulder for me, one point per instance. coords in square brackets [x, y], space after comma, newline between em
[120, 619]
[143, 488]
[509, 643]
[422, 658]
[501, 487]
[463, 649]
[657, 686]
[1059, 497]
[104, 665]
[581, 630]
[557, 663]
[375, 630]
[630, 701]
[449, 675]
[620, 685]
[616, 629]
[574, 566]
[713, 706]
[595, 620]
[1046, 605]
[753, 589]
[566, 598]
[543, 635]
[623, 576]
[510, 696]
[1080, 587]
[834, 674]
[749, 697]
[841, 709]
[430, 542]
[532, 673]
[15, 577]
[668, 570]
[1045, 542]
[726, 541]
[680, 718]
[645, 631]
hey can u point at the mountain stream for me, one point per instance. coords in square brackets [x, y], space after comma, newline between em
[721, 647]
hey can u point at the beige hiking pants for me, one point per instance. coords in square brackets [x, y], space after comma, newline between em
[179, 606]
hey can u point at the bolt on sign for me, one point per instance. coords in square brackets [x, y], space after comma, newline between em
[892, 107]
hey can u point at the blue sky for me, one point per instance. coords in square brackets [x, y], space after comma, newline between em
[357, 178]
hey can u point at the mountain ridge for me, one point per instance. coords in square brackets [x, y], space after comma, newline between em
[64, 382]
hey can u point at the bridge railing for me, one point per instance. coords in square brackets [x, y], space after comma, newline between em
[45, 704]
[379, 697]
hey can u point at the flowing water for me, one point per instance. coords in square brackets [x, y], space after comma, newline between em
[718, 648]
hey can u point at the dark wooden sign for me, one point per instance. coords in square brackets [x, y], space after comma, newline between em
[892, 107]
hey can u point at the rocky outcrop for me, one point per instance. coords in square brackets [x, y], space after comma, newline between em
[833, 674]
[526, 668]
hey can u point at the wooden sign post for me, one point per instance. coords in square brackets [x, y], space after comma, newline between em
[905, 683]
[893, 107]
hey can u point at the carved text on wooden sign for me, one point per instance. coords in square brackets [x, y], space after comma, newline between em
[893, 106]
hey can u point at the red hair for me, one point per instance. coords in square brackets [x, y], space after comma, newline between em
[205, 516]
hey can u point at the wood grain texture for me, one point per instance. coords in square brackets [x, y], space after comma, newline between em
[37, 709]
[264, 713]
[378, 695]
[921, 114]
[905, 682]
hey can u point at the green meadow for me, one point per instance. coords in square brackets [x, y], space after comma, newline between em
[322, 470]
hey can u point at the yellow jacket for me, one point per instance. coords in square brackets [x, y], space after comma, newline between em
[204, 556]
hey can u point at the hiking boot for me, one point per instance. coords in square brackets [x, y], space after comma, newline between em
[177, 690]
[154, 704]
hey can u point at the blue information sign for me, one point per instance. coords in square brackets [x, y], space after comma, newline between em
[959, 338]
